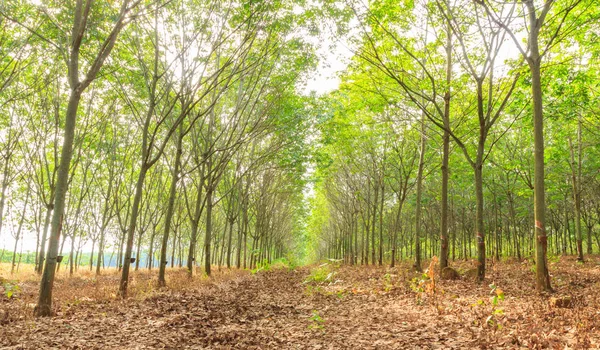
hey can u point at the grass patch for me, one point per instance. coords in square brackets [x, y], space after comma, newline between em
[321, 274]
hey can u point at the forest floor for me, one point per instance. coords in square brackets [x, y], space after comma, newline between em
[318, 307]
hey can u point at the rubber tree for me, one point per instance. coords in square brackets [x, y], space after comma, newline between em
[543, 33]
[168, 106]
[424, 84]
[77, 86]
[492, 96]
[42, 153]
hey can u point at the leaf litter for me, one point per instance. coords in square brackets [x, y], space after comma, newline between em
[352, 308]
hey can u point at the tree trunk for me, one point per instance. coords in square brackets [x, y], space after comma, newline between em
[44, 306]
[231, 222]
[419, 194]
[5, 180]
[71, 263]
[542, 274]
[479, 228]
[92, 255]
[381, 221]
[151, 248]
[195, 224]
[138, 248]
[42, 254]
[100, 258]
[207, 237]
[373, 224]
[131, 230]
[21, 220]
[170, 209]
[446, 151]
[576, 183]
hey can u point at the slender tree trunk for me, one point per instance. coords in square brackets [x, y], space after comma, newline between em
[446, 151]
[419, 194]
[173, 246]
[79, 257]
[5, 179]
[479, 228]
[100, 258]
[576, 183]
[195, 222]
[207, 237]
[42, 253]
[231, 222]
[124, 283]
[241, 226]
[590, 228]
[246, 225]
[367, 224]
[151, 248]
[71, 260]
[44, 306]
[381, 221]
[542, 274]
[92, 255]
[170, 209]
[21, 220]
[111, 257]
[138, 249]
[373, 224]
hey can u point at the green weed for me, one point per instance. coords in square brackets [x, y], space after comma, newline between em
[317, 322]
[323, 273]
[11, 288]
[261, 266]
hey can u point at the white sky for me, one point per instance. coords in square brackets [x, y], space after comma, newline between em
[326, 78]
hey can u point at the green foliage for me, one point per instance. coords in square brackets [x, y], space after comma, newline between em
[321, 274]
[317, 322]
[387, 282]
[497, 296]
[418, 285]
[11, 288]
[261, 266]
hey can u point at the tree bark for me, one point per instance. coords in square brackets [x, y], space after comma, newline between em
[44, 306]
[131, 230]
[446, 151]
[542, 274]
[419, 194]
[170, 209]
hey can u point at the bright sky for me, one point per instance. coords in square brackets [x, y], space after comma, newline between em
[326, 78]
[334, 55]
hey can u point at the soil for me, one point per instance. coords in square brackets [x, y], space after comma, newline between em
[318, 307]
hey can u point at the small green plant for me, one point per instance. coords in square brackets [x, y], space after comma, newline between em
[261, 266]
[426, 283]
[417, 285]
[312, 290]
[553, 259]
[317, 322]
[497, 296]
[323, 273]
[336, 262]
[289, 262]
[387, 282]
[10, 288]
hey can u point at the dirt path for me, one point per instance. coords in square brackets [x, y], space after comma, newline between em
[363, 309]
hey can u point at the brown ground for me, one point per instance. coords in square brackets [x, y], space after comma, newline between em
[356, 308]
